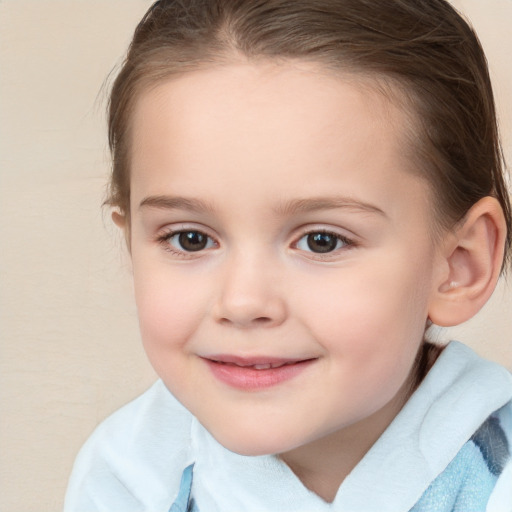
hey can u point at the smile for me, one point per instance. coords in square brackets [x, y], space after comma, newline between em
[255, 373]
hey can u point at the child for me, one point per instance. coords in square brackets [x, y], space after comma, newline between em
[305, 187]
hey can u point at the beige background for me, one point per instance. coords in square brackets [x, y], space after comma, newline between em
[70, 352]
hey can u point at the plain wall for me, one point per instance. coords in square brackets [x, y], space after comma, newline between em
[70, 351]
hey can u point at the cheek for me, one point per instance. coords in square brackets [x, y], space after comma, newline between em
[371, 319]
[169, 310]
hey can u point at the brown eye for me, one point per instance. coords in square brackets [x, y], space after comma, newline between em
[192, 240]
[321, 242]
[189, 241]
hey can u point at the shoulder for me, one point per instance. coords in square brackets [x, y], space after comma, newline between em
[134, 459]
[484, 464]
[464, 410]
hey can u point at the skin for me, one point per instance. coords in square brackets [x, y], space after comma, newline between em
[255, 157]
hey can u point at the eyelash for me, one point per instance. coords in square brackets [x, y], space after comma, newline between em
[164, 240]
[165, 237]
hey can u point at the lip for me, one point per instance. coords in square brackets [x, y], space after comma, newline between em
[253, 373]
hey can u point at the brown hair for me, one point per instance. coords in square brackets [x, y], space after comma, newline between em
[423, 47]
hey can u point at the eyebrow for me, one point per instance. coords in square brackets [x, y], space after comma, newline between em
[176, 203]
[327, 203]
[292, 207]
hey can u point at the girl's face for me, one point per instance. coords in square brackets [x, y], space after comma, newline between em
[281, 252]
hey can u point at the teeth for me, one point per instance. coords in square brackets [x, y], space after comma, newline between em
[267, 366]
[262, 366]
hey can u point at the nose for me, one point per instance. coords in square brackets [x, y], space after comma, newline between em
[250, 294]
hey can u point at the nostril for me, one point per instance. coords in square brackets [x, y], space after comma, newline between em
[262, 320]
[248, 311]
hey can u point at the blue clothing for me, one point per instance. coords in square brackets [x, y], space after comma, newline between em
[448, 450]
[184, 501]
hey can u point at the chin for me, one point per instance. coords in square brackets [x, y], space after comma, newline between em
[243, 443]
[248, 447]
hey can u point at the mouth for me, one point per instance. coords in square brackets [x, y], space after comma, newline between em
[255, 372]
[258, 363]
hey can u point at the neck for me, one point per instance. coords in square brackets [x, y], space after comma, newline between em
[323, 465]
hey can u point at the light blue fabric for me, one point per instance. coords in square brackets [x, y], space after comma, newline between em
[468, 481]
[464, 486]
[184, 502]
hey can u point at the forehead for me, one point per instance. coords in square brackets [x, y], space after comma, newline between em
[241, 95]
[274, 127]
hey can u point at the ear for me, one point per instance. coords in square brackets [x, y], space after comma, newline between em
[470, 264]
[121, 221]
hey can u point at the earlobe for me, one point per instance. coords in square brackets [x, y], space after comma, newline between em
[121, 221]
[472, 259]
